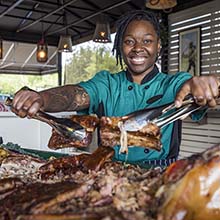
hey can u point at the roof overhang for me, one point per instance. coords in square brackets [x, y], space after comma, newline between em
[23, 23]
[20, 58]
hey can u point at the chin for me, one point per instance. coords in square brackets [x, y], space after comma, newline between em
[138, 71]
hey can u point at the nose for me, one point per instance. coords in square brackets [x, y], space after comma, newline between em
[138, 47]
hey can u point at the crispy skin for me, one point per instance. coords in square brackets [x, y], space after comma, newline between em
[191, 188]
[98, 158]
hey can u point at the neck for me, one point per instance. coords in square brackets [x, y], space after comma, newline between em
[138, 78]
[143, 77]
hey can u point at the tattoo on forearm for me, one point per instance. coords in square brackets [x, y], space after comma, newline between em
[67, 98]
[80, 99]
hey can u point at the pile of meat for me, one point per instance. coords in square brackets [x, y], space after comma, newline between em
[93, 187]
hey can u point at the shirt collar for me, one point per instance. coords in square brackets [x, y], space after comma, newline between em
[147, 78]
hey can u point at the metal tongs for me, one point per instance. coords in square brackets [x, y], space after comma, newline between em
[64, 126]
[160, 116]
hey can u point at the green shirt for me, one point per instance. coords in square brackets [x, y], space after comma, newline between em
[118, 96]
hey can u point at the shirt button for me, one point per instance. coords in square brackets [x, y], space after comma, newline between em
[146, 151]
[130, 87]
[147, 87]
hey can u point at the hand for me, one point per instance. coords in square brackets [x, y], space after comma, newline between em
[26, 102]
[204, 89]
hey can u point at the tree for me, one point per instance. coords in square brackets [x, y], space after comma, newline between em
[87, 61]
[9, 84]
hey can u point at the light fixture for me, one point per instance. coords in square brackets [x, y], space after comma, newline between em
[42, 51]
[161, 4]
[102, 31]
[1, 48]
[65, 41]
[65, 44]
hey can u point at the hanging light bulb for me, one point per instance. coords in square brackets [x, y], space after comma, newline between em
[65, 41]
[42, 51]
[161, 4]
[102, 32]
[1, 48]
[65, 44]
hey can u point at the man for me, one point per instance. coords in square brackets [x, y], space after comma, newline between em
[140, 85]
[192, 58]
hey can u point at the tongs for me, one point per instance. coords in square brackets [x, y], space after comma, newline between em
[64, 126]
[160, 116]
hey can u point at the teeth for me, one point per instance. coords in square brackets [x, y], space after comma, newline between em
[138, 59]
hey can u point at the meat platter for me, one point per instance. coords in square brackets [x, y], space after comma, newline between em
[93, 187]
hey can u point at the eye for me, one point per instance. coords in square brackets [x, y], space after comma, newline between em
[147, 41]
[129, 42]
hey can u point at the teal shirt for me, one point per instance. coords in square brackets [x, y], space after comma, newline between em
[120, 96]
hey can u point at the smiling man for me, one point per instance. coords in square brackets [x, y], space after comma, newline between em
[139, 85]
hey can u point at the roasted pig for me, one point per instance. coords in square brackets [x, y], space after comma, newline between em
[191, 189]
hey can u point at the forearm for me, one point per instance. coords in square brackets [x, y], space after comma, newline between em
[65, 98]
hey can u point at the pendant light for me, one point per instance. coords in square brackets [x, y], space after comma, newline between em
[161, 4]
[65, 41]
[42, 50]
[1, 48]
[102, 32]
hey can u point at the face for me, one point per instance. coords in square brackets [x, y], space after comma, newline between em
[140, 47]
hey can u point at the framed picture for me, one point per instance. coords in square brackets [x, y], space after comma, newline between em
[189, 51]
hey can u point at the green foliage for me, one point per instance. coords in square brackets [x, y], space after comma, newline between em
[87, 61]
[9, 84]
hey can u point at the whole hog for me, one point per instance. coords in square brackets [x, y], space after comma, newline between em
[191, 189]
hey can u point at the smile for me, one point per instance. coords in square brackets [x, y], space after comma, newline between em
[138, 60]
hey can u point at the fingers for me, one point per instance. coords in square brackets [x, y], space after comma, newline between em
[201, 92]
[26, 103]
[204, 89]
[184, 91]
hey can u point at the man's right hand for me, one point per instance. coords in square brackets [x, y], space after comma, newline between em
[27, 102]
